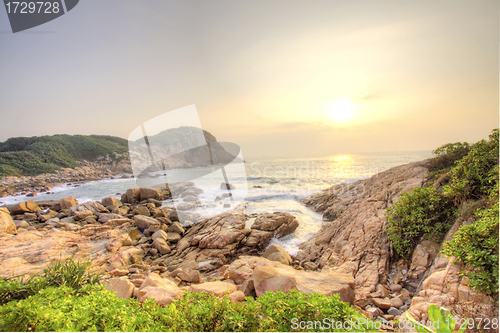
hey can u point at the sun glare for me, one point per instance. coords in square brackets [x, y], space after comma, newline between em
[341, 111]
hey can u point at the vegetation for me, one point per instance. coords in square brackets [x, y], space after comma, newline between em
[467, 187]
[422, 213]
[59, 273]
[67, 298]
[443, 318]
[31, 156]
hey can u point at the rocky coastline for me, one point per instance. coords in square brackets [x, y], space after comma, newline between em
[103, 168]
[144, 252]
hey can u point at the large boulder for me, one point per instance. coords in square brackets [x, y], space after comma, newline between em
[110, 201]
[7, 225]
[138, 194]
[276, 253]
[218, 288]
[23, 207]
[273, 276]
[146, 222]
[95, 207]
[163, 291]
[67, 203]
[122, 287]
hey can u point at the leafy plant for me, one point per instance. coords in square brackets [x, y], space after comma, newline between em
[93, 308]
[423, 212]
[439, 317]
[447, 155]
[476, 246]
[58, 273]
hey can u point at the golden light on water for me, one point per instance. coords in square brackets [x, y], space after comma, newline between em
[342, 111]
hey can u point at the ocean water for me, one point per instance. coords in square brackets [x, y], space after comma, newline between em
[261, 186]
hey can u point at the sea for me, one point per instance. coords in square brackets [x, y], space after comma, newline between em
[262, 185]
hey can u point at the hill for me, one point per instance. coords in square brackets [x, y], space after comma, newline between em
[23, 156]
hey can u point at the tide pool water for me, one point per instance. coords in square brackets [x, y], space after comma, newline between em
[270, 185]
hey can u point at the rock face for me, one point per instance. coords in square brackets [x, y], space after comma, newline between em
[7, 225]
[273, 276]
[354, 240]
[212, 243]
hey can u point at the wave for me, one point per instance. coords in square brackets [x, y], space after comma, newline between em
[286, 196]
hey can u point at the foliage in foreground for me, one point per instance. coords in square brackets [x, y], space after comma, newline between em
[58, 273]
[23, 156]
[439, 316]
[422, 213]
[93, 308]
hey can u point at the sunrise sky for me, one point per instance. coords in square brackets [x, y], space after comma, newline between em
[279, 78]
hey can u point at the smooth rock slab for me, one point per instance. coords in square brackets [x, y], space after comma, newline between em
[217, 288]
[123, 288]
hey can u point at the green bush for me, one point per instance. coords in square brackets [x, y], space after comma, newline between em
[476, 246]
[447, 155]
[93, 308]
[422, 213]
[58, 273]
[476, 175]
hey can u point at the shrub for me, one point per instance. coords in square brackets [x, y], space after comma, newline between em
[476, 246]
[93, 308]
[422, 213]
[476, 174]
[59, 273]
[447, 155]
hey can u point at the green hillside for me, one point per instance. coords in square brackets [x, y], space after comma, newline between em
[23, 156]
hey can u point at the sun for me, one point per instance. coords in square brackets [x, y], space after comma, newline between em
[341, 111]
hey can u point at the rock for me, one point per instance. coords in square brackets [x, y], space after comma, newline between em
[190, 198]
[354, 240]
[173, 237]
[110, 201]
[383, 303]
[176, 227]
[145, 222]
[163, 291]
[122, 288]
[142, 210]
[396, 302]
[161, 245]
[395, 288]
[375, 312]
[247, 288]
[160, 234]
[236, 296]
[118, 222]
[190, 275]
[273, 276]
[276, 253]
[68, 202]
[227, 186]
[7, 225]
[82, 215]
[118, 242]
[23, 207]
[394, 312]
[282, 223]
[217, 288]
[119, 272]
[21, 224]
[105, 217]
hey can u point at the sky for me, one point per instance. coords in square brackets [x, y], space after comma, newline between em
[269, 75]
